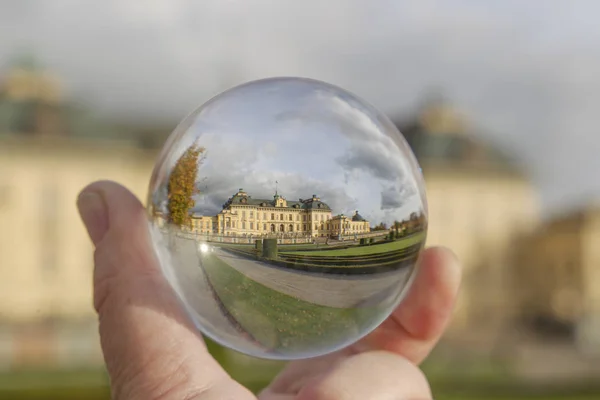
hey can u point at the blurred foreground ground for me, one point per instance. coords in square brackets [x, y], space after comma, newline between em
[474, 379]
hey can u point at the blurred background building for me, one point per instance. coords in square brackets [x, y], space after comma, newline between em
[45, 300]
[480, 201]
[531, 291]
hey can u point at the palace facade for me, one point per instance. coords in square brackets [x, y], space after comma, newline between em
[244, 216]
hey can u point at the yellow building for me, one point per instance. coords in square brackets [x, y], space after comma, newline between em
[245, 216]
[342, 225]
[46, 312]
[479, 200]
[556, 279]
[203, 224]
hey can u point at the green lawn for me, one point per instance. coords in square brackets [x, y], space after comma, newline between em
[93, 385]
[54, 385]
[279, 321]
[473, 382]
[398, 244]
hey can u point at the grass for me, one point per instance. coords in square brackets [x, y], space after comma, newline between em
[54, 385]
[367, 250]
[32, 377]
[279, 321]
[475, 381]
[93, 385]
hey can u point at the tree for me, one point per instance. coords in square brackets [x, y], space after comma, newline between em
[182, 186]
[380, 227]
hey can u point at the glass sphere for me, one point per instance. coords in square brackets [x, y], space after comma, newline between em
[288, 215]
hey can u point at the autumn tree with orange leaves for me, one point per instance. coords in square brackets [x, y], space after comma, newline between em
[182, 186]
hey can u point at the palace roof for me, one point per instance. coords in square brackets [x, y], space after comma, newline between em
[358, 218]
[439, 133]
[241, 198]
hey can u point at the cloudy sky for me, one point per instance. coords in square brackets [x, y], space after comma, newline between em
[310, 138]
[525, 73]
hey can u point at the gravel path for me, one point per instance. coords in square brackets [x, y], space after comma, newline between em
[342, 291]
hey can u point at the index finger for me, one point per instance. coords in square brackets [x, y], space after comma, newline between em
[415, 327]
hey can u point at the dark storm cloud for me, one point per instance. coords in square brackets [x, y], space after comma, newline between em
[369, 149]
[393, 198]
[369, 159]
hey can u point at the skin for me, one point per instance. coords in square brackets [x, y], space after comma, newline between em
[153, 352]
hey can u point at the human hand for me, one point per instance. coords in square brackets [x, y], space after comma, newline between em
[153, 351]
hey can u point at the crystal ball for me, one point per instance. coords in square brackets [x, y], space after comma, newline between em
[288, 215]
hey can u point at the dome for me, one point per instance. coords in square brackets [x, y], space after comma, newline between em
[440, 133]
[357, 217]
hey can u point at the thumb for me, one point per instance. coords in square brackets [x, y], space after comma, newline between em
[151, 349]
[371, 375]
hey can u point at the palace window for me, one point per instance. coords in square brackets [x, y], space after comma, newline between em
[243, 214]
[304, 228]
[251, 225]
[264, 215]
[251, 214]
[264, 227]
[298, 217]
[291, 217]
[304, 219]
[281, 217]
[243, 225]
[272, 216]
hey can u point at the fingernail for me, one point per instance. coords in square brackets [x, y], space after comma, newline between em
[94, 214]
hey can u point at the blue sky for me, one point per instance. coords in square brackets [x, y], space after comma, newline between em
[524, 72]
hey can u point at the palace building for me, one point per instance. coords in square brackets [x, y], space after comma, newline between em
[479, 199]
[244, 216]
